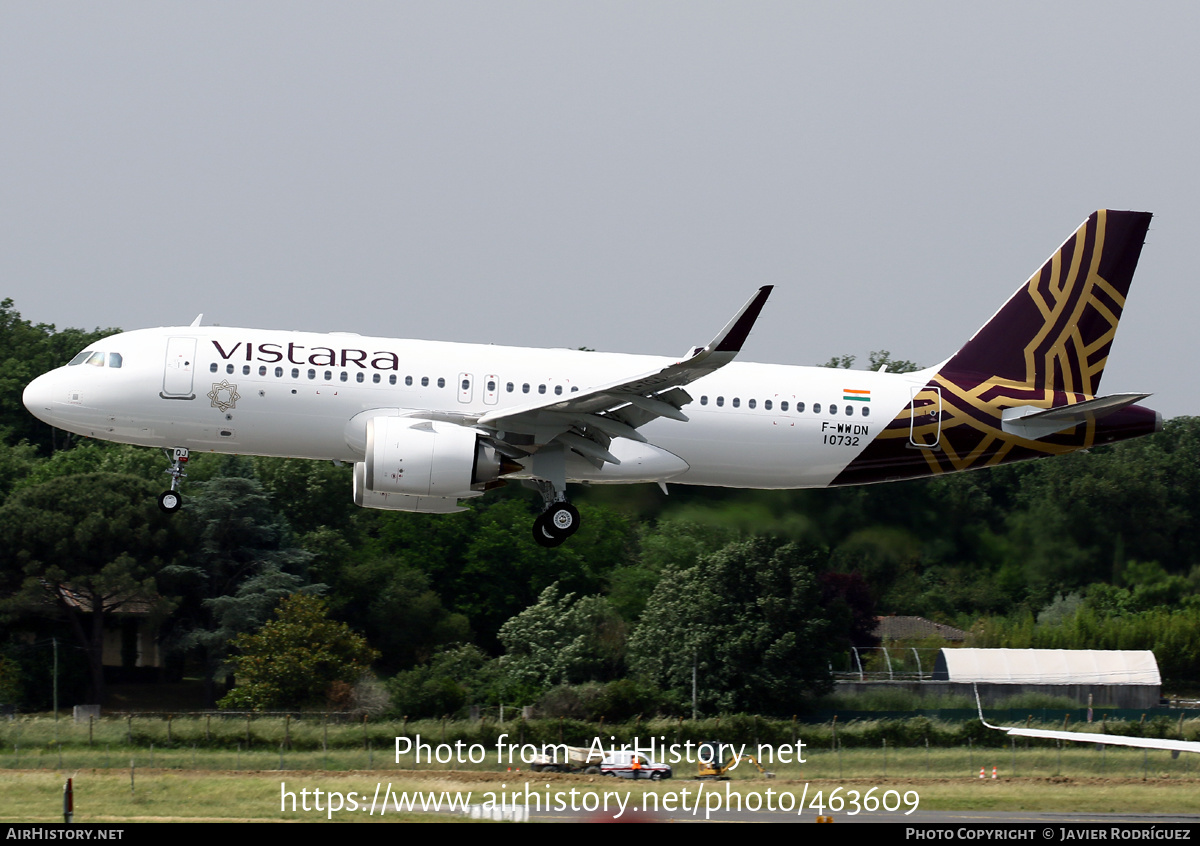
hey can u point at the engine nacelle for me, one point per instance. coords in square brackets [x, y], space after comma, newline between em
[399, 502]
[428, 459]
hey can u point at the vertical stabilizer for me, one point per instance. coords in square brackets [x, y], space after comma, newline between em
[1054, 334]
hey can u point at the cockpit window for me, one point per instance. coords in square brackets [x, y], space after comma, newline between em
[114, 359]
[97, 359]
[79, 359]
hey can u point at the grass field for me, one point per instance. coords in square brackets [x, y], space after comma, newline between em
[189, 795]
[234, 770]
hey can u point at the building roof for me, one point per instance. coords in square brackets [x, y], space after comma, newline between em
[1047, 666]
[914, 628]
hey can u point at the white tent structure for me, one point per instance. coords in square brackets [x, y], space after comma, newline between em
[1126, 679]
[1047, 666]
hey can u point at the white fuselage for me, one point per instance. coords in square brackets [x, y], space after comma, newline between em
[278, 393]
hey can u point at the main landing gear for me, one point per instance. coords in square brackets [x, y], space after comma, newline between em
[559, 521]
[170, 500]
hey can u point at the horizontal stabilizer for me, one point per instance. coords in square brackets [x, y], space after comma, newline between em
[1031, 422]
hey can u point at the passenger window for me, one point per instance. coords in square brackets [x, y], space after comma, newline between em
[295, 372]
[866, 411]
[816, 408]
[262, 371]
[466, 385]
[574, 389]
[783, 406]
[328, 375]
[312, 374]
[392, 379]
[407, 381]
[245, 369]
[720, 401]
[736, 402]
[441, 382]
[558, 390]
[509, 387]
[767, 405]
[849, 411]
[375, 378]
[750, 403]
[345, 376]
[228, 368]
[525, 388]
[359, 376]
[278, 372]
[212, 368]
[799, 407]
[424, 381]
[541, 389]
[704, 400]
[832, 408]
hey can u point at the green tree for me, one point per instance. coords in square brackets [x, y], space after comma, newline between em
[396, 608]
[312, 493]
[561, 640]
[243, 562]
[16, 463]
[456, 677]
[749, 619]
[484, 562]
[84, 548]
[297, 658]
[877, 359]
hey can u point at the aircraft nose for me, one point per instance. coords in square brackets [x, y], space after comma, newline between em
[39, 397]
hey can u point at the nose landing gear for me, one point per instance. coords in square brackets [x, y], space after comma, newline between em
[170, 500]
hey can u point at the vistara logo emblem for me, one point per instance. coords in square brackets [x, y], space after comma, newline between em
[224, 395]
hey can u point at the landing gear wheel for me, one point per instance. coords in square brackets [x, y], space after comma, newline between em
[542, 534]
[562, 519]
[170, 500]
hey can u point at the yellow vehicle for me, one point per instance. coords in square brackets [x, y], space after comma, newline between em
[716, 771]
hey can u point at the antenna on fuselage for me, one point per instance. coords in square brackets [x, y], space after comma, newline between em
[199, 317]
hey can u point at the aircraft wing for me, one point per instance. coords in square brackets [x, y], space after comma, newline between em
[586, 421]
[1176, 746]
[1105, 739]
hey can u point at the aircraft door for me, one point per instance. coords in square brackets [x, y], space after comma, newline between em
[179, 368]
[925, 417]
[491, 388]
[465, 387]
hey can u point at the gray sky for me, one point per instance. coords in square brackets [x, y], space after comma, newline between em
[616, 175]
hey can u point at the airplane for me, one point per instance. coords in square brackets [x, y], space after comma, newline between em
[427, 424]
[1165, 744]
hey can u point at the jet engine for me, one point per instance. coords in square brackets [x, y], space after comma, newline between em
[422, 458]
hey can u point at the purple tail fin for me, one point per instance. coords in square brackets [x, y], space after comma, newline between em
[1055, 332]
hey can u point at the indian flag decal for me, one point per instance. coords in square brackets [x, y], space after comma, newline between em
[857, 396]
